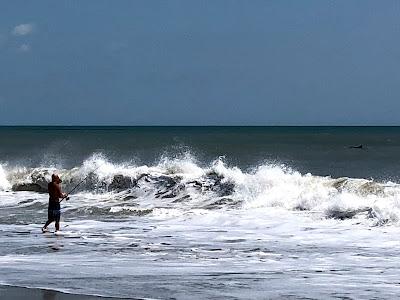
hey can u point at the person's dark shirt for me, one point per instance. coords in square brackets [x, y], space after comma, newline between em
[54, 195]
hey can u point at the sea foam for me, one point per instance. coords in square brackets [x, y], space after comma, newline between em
[181, 183]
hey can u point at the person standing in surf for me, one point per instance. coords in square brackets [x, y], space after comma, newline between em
[55, 193]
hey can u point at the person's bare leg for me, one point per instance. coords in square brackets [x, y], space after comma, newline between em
[44, 228]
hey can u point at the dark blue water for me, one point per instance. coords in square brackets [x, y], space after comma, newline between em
[318, 150]
[191, 225]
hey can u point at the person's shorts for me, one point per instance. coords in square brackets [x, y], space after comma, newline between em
[54, 215]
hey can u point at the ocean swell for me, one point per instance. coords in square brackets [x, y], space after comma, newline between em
[182, 184]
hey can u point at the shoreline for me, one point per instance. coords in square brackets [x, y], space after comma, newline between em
[21, 293]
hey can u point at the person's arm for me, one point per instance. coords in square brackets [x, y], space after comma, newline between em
[60, 193]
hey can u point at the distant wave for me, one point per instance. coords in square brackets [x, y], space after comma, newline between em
[183, 184]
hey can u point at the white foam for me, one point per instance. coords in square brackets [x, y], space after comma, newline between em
[184, 166]
[269, 185]
[4, 183]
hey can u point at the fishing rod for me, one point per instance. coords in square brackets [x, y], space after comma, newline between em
[76, 186]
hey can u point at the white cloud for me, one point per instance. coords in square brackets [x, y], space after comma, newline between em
[24, 48]
[23, 29]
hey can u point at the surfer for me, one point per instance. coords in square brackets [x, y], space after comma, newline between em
[55, 194]
[356, 146]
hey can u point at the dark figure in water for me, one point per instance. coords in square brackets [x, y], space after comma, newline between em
[54, 202]
[357, 146]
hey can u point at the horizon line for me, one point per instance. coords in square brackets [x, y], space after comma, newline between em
[198, 126]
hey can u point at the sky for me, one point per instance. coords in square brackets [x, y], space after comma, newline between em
[220, 62]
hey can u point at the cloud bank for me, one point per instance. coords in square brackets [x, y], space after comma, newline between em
[23, 29]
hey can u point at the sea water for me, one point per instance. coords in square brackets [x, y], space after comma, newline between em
[204, 212]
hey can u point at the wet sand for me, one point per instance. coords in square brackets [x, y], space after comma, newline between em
[21, 293]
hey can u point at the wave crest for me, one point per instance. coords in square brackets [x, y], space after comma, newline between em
[182, 183]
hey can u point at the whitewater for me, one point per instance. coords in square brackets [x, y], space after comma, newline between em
[179, 229]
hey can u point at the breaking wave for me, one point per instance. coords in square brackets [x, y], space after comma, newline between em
[182, 184]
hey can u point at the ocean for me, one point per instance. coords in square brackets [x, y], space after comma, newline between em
[204, 212]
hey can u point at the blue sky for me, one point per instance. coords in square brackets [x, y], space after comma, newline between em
[200, 62]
